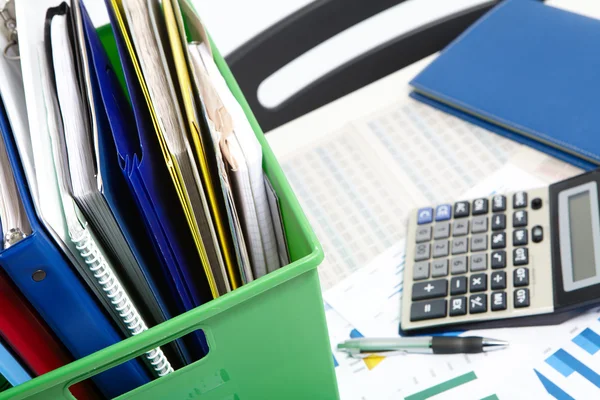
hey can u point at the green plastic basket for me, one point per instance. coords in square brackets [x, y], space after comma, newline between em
[267, 339]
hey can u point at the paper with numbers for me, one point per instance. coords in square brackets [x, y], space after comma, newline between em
[357, 183]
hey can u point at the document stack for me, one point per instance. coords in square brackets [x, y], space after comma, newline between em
[131, 188]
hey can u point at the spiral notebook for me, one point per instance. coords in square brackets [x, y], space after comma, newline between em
[51, 103]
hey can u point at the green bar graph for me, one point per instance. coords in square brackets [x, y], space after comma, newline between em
[443, 387]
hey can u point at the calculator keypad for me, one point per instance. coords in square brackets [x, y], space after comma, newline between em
[439, 268]
[458, 265]
[458, 285]
[461, 209]
[499, 203]
[498, 301]
[473, 258]
[478, 303]
[423, 234]
[441, 230]
[428, 310]
[498, 280]
[460, 228]
[430, 289]
[479, 224]
[498, 222]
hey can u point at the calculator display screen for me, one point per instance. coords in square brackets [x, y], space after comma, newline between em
[582, 237]
[579, 233]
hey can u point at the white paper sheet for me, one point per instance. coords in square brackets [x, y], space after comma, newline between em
[358, 182]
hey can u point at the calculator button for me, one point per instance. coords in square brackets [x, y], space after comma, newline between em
[478, 283]
[423, 234]
[519, 218]
[520, 256]
[521, 298]
[458, 265]
[477, 303]
[498, 203]
[460, 245]
[428, 310]
[439, 268]
[536, 203]
[424, 215]
[429, 289]
[440, 249]
[441, 230]
[422, 251]
[458, 285]
[479, 224]
[458, 306]
[480, 206]
[443, 212]
[498, 259]
[461, 209]
[521, 277]
[461, 228]
[498, 280]
[478, 262]
[498, 222]
[498, 240]
[478, 242]
[498, 301]
[537, 234]
[520, 200]
[421, 270]
[520, 237]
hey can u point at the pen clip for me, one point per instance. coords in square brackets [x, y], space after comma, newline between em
[10, 25]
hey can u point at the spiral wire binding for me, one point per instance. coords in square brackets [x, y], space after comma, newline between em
[118, 297]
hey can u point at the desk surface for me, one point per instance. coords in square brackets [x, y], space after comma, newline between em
[358, 165]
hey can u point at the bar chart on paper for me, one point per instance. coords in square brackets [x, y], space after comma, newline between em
[483, 385]
[573, 370]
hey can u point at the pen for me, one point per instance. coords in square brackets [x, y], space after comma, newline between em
[364, 347]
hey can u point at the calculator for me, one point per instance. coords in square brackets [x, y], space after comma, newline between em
[523, 258]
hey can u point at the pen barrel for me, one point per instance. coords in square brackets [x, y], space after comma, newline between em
[455, 345]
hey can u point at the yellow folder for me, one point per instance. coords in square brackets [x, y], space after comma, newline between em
[171, 162]
[177, 40]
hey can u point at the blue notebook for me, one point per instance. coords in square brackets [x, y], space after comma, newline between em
[527, 71]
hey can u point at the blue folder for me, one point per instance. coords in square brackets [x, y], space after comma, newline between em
[527, 71]
[144, 166]
[117, 190]
[61, 298]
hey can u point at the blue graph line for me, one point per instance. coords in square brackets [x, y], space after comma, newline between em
[566, 364]
[588, 340]
[552, 388]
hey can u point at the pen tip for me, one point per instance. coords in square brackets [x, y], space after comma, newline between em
[493, 344]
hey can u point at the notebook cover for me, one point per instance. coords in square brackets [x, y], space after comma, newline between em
[528, 68]
[527, 141]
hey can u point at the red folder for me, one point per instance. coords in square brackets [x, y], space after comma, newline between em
[31, 339]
